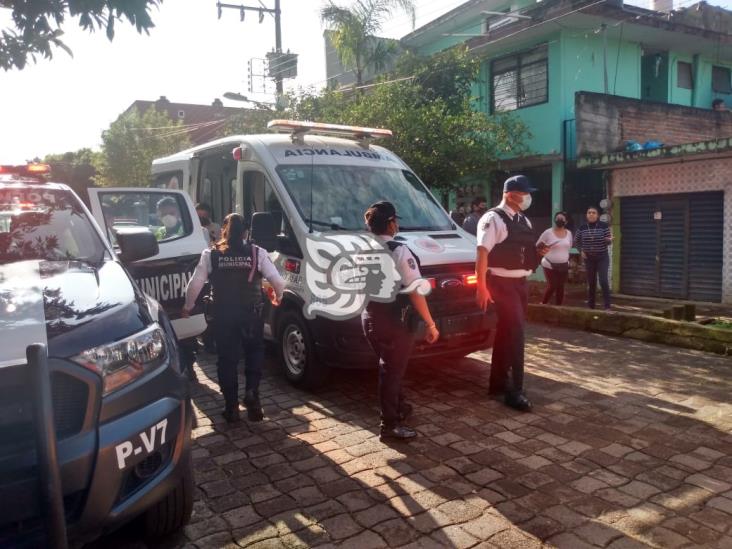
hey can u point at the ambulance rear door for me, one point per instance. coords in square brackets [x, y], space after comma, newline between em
[164, 276]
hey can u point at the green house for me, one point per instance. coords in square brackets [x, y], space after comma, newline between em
[582, 74]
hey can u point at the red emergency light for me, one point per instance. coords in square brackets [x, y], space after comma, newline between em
[35, 169]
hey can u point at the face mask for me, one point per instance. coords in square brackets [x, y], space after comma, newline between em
[525, 203]
[169, 221]
[560, 223]
[205, 221]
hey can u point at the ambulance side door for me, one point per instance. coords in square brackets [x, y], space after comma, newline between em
[171, 216]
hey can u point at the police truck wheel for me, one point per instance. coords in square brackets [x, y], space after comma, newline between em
[173, 512]
[297, 354]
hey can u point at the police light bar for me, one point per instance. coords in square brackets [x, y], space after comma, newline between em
[300, 127]
[35, 169]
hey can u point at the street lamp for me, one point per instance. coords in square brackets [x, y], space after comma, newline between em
[234, 96]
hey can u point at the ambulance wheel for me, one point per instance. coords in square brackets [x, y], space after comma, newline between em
[174, 511]
[296, 350]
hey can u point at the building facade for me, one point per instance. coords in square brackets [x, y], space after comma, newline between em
[548, 62]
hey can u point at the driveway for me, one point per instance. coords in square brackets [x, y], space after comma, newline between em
[629, 445]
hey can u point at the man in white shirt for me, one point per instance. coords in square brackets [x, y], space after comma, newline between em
[506, 256]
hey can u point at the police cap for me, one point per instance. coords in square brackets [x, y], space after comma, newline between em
[519, 184]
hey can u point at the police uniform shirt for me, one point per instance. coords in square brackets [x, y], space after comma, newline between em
[492, 230]
[264, 265]
[406, 264]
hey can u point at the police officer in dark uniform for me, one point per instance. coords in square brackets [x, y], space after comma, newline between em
[387, 326]
[236, 268]
[506, 256]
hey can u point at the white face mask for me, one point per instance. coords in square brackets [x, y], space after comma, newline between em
[169, 221]
[525, 203]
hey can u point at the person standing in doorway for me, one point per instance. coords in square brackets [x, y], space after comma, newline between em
[458, 214]
[477, 208]
[387, 329]
[592, 240]
[507, 254]
[236, 268]
[557, 241]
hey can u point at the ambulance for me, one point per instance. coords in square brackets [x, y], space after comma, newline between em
[314, 180]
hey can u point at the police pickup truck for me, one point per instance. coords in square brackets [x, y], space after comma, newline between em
[120, 402]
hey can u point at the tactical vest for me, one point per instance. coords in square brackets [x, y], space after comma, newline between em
[394, 309]
[235, 281]
[518, 251]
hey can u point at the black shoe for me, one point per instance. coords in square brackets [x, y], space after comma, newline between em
[231, 414]
[519, 402]
[254, 407]
[405, 411]
[398, 432]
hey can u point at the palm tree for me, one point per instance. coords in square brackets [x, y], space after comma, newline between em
[355, 29]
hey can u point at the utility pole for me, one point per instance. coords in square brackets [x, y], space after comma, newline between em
[278, 43]
[277, 14]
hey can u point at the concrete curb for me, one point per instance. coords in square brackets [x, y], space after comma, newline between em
[636, 326]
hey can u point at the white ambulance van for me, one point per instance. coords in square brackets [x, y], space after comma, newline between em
[318, 179]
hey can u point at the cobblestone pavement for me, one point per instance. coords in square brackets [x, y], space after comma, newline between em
[629, 445]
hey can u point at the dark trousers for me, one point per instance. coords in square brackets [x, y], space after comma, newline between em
[555, 281]
[510, 296]
[597, 267]
[187, 349]
[232, 334]
[393, 344]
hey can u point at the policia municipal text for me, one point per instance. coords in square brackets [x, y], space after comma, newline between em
[507, 254]
[236, 268]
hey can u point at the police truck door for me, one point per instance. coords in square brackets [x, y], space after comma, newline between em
[171, 217]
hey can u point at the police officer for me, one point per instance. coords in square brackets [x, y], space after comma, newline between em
[506, 256]
[387, 329]
[236, 268]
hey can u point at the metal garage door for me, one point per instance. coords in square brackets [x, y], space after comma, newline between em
[672, 246]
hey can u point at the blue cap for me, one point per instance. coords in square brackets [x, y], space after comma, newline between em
[519, 184]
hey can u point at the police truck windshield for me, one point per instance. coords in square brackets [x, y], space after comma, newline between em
[47, 225]
[341, 195]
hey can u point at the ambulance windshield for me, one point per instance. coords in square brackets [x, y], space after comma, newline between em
[45, 225]
[341, 195]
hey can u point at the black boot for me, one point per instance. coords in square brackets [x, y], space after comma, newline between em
[231, 413]
[254, 407]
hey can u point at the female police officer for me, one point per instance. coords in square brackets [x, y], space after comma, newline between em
[236, 268]
[385, 330]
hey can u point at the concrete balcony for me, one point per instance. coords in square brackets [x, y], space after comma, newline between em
[604, 123]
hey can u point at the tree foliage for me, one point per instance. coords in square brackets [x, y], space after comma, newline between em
[133, 141]
[75, 168]
[37, 24]
[440, 128]
[355, 31]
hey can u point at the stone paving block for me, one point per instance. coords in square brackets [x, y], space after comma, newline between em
[340, 526]
[515, 538]
[534, 462]
[397, 532]
[206, 527]
[364, 539]
[712, 484]
[712, 518]
[597, 533]
[565, 516]
[568, 541]
[588, 484]
[692, 462]
[454, 536]
[542, 527]
[640, 490]
[721, 503]
[486, 525]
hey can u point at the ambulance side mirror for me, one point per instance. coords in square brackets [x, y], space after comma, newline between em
[263, 231]
[136, 243]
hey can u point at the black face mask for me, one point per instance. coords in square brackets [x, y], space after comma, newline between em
[205, 221]
[560, 223]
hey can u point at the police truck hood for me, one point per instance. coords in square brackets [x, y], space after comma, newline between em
[68, 305]
[438, 248]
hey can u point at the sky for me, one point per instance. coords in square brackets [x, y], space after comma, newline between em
[63, 104]
[191, 56]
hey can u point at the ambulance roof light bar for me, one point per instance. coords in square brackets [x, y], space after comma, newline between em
[298, 129]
